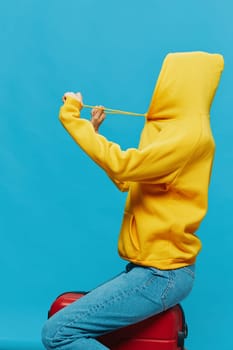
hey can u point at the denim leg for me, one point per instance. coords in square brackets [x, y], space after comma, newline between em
[132, 296]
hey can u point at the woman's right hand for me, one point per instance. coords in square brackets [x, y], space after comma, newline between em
[77, 96]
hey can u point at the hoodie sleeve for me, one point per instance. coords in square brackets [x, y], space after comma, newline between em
[122, 186]
[157, 163]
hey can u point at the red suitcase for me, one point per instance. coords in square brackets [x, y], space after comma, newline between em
[165, 331]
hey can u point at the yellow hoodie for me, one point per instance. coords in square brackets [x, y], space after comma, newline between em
[168, 175]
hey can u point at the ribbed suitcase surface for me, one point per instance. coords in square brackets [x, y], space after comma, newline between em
[165, 331]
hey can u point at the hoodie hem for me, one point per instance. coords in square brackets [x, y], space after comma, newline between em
[163, 264]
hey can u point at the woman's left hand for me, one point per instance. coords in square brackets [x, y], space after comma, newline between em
[97, 117]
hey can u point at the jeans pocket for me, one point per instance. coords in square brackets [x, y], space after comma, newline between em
[180, 284]
[189, 270]
[153, 289]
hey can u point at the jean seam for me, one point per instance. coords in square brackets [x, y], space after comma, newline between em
[170, 284]
[111, 301]
[190, 272]
[102, 305]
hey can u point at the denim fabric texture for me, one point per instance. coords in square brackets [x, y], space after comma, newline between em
[135, 294]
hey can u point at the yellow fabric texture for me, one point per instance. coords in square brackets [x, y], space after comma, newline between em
[167, 176]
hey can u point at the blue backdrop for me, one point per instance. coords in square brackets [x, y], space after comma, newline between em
[60, 215]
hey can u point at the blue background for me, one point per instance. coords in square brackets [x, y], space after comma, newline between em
[59, 214]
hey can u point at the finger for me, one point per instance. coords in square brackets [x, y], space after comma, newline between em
[67, 94]
[103, 114]
[79, 97]
[99, 114]
[96, 110]
[100, 108]
[93, 111]
[64, 97]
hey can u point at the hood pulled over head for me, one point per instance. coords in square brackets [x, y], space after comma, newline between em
[186, 85]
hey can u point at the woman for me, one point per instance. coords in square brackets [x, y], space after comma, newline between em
[167, 180]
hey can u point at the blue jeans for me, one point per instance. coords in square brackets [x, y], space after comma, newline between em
[137, 293]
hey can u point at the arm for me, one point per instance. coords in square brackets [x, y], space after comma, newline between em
[97, 117]
[157, 163]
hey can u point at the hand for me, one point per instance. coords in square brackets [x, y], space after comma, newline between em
[97, 117]
[77, 96]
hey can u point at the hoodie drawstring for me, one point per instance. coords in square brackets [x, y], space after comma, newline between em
[117, 111]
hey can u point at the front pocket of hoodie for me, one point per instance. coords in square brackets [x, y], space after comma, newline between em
[128, 243]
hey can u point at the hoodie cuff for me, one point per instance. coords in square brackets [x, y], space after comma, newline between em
[73, 102]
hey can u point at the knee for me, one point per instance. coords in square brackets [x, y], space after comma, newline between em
[55, 334]
[48, 335]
